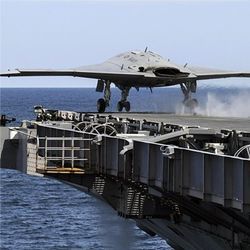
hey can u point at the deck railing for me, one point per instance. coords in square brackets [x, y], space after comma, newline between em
[65, 151]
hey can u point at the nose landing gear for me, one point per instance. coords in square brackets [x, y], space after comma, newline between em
[102, 103]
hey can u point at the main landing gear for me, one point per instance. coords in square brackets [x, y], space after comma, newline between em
[123, 103]
[102, 103]
[187, 89]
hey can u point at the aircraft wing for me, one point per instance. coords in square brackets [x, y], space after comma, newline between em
[116, 75]
[206, 73]
[78, 72]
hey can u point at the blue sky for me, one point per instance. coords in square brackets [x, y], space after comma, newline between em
[65, 34]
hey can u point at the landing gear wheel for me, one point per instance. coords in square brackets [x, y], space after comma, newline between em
[127, 106]
[120, 106]
[192, 103]
[101, 105]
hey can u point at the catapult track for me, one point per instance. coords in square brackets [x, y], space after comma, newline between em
[181, 181]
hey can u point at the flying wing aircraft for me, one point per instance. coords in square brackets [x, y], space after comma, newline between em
[135, 69]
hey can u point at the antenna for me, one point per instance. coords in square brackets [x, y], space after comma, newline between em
[146, 49]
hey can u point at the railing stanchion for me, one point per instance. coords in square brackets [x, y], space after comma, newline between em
[46, 152]
[63, 151]
[72, 152]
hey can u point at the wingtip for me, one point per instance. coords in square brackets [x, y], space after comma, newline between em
[10, 73]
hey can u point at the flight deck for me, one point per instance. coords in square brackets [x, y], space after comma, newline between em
[232, 123]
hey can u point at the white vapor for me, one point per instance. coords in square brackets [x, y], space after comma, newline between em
[236, 104]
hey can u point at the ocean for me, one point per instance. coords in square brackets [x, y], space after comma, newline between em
[42, 213]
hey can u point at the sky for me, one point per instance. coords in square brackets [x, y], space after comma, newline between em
[64, 34]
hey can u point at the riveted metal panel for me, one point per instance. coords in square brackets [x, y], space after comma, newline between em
[128, 166]
[111, 150]
[246, 186]
[214, 178]
[141, 161]
[233, 182]
[112, 162]
[122, 158]
[102, 156]
[171, 178]
[155, 165]
[176, 183]
[193, 173]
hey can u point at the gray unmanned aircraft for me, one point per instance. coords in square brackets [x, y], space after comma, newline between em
[136, 69]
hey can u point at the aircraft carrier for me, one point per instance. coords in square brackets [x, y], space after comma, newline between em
[185, 178]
